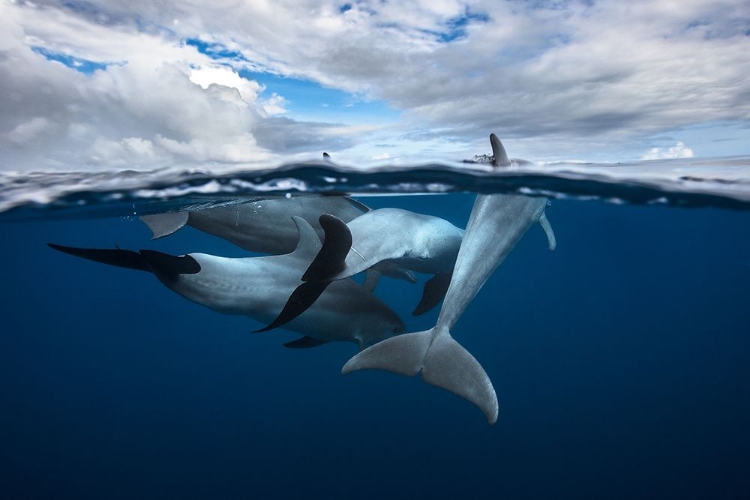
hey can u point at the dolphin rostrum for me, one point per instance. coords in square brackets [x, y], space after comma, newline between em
[412, 241]
[497, 222]
[258, 287]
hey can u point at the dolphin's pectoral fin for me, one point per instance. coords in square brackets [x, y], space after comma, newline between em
[299, 301]
[305, 342]
[434, 291]
[165, 224]
[112, 256]
[331, 258]
[544, 222]
[165, 265]
[372, 277]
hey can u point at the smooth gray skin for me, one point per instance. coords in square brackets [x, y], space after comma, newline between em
[261, 226]
[420, 243]
[266, 226]
[259, 286]
[496, 224]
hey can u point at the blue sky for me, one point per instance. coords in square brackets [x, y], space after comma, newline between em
[94, 85]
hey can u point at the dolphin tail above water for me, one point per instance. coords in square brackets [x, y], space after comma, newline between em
[441, 360]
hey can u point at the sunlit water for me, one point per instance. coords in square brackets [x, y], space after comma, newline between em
[620, 360]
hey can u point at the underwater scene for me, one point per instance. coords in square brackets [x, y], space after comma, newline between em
[618, 360]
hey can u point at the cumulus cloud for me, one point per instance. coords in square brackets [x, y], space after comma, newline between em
[679, 150]
[169, 80]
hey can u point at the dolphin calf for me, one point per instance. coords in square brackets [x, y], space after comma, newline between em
[497, 222]
[258, 287]
[412, 241]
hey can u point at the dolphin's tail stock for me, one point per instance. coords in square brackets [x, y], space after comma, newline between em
[441, 360]
[161, 264]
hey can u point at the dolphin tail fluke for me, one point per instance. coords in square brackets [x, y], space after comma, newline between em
[112, 256]
[450, 366]
[442, 361]
[403, 354]
[165, 224]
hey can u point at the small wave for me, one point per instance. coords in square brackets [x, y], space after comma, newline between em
[717, 182]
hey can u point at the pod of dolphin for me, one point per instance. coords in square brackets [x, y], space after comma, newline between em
[304, 285]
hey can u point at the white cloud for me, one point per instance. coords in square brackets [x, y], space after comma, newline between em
[29, 131]
[679, 150]
[556, 78]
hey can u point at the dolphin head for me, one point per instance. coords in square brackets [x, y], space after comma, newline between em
[439, 241]
[384, 324]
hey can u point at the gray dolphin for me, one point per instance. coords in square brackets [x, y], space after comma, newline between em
[421, 243]
[258, 287]
[266, 226]
[496, 224]
[262, 226]
[411, 241]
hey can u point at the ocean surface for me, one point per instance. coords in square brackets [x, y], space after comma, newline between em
[621, 360]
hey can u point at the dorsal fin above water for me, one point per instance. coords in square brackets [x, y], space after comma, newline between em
[498, 151]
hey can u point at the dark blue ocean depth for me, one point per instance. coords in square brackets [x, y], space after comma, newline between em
[621, 362]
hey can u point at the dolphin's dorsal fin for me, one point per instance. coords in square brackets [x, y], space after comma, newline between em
[308, 243]
[544, 222]
[498, 151]
[358, 204]
[165, 224]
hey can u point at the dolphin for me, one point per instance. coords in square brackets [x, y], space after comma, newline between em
[258, 286]
[261, 226]
[497, 222]
[266, 226]
[412, 241]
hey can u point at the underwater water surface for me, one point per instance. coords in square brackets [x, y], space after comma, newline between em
[620, 362]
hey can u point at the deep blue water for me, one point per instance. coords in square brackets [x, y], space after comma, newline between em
[620, 361]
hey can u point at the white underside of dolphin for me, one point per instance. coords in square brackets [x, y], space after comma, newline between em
[496, 224]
